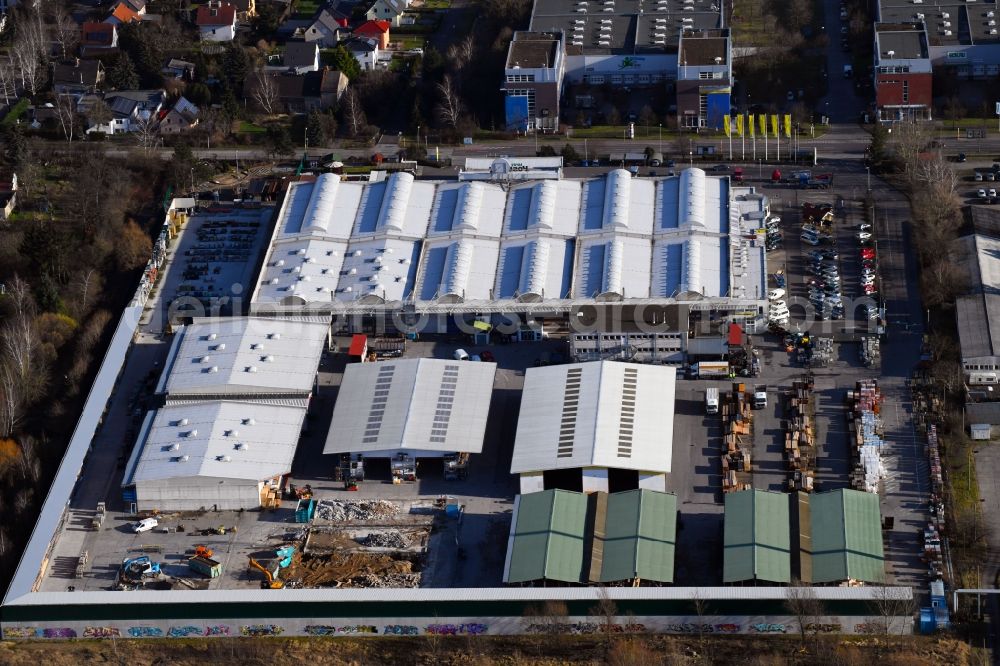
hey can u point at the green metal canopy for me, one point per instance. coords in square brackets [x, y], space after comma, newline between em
[639, 537]
[757, 537]
[846, 537]
[547, 537]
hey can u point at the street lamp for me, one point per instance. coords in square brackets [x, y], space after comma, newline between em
[691, 158]
[868, 171]
[661, 139]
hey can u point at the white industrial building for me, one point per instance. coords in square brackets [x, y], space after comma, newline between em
[417, 408]
[244, 357]
[503, 245]
[214, 454]
[594, 426]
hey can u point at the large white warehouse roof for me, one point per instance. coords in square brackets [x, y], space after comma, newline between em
[418, 405]
[600, 414]
[218, 439]
[244, 356]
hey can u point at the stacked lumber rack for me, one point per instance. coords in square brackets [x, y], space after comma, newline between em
[737, 440]
[800, 436]
[864, 428]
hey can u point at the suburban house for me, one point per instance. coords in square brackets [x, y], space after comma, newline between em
[326, 28]
[8, 193]
[216, 21]
[179, 69]
[245, 9]
[302, 93]
[365, 51]
[179, 119]
[139, 6]
[377, 30]
[389, 10]
[130, 109]
[97, 38]
[78, 77]
[123, 13]
[301, 57]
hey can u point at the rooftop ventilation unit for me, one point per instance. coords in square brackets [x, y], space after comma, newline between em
[606, 21]
[945, 15]
[890, 54]
[357, 253]
[993, 31]
[205, 359]
[252, 368]
[301, 251]
[274, 280]
[175, 447]
[989, 14]
[991, 22]
[223, 458]
[183, 422]
[920, 17]
[947, 33]
[946, 24]
[581, 10]
[221, 346]
[191, 433]
[331, 253]
[249, 421]
[267, 359]
[576, 42]
[184, 458]
[242, 446]
[659, 42]
[213, 369]
[274, 336]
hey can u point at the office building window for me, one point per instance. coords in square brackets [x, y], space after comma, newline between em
[906, 91]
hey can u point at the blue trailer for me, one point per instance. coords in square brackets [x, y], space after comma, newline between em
[305, 510]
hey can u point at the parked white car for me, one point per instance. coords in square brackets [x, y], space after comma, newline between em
[460, 355]
[775, 294]
[864, 235]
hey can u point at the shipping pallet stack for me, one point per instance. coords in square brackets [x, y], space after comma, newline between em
[865, 431]
[870, 351]
[820, 353]
[800, 451]
[737, 418]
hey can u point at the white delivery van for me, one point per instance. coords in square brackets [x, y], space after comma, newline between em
[712, 401]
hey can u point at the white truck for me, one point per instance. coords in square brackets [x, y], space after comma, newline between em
[760, 396]
[712, 401]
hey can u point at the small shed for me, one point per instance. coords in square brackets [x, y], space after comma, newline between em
[982, 417]
[980, 430]
[358, 350]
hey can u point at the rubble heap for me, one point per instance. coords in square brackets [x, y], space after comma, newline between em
[337, 511]
[390, 539]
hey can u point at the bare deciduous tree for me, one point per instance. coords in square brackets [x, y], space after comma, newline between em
[803, 604]
[63, 30]
[8, 80]
[146, 132]
[460, 54]
[354, 114]
[450, 105]
[65, 108]
[29, 50]
[265, 92]
[548, 618]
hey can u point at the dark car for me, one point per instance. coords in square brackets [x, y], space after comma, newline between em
[670, 164]
[487, 356]
[961, 157]
[721, 168]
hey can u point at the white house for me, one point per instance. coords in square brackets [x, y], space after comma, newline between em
[216, 21]
[130, 109]
[365, 51]
[325, 30]
[181, 118]
[387, 10]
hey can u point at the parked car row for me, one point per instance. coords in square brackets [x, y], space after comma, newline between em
[773, 236]
[869, 260]
[825, 284]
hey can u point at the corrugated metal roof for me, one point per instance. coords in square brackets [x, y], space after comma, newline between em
[556, 430]
[983, 412]
[219, 439]
[757, 540]
[846, 537]
[640, 535]
[548, 534]
[246, 355]
[420, 404]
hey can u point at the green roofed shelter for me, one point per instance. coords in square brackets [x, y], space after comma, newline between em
[640, 532]
[572, 537]
[547, 537]
[757, 537]
[846, 537]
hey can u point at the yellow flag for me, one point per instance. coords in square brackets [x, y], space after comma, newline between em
[763, 124]
[739, 125]
[752, 124]
[774, 125]
[788, 125]
[725, 125]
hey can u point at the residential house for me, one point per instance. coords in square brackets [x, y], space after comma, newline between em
[179, 69]
[8, 194]
[377, 30]
[301, 57]
[389, 10]
[326, 29]
[365, 51]
[123, 13]
[245, 9]
[179, 119]
[130, 109]
[78, 77]
[139, 6]
[216, 21]
[302, 93]
[97, 38]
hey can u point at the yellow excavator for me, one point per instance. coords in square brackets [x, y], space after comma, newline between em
[271, 581]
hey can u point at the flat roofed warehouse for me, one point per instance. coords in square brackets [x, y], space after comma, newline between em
[244, 356]
[220, 454]
[570, 537]
[420, 407]
[589, 418]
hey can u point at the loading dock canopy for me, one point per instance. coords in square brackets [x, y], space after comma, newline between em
[598, 414]
[424, 405]
[572, 537]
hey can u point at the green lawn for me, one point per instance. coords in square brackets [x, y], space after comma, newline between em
[15, 112]
[436, 4]
[250, 128]
[410, 41]
[306, 8]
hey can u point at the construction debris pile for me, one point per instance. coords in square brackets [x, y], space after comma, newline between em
[337, 511]
[388, 539]
[800, 436]
[865, 431]
[870, 353]
[353, 569]
[737, 418]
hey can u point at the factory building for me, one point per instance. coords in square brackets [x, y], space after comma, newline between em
[411, 410]
[599, 426]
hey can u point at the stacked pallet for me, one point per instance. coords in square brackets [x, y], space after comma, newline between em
[865, 432]
[737, 439]
[800, 436]
[870, 351]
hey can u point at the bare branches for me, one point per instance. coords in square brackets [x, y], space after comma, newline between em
[803, 604]
[65, 108]
[145, 132]
[29, 50]
[354, 114]
[63, 30]
[449, 104]
[265, 92]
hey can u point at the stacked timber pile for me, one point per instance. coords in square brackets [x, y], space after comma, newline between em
[737, 440]
[800, 436]
[865, 433]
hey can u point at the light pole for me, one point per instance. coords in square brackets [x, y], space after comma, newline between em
[691, 158]
[660, 126]
[868, 171]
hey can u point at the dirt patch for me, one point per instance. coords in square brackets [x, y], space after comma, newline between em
[352, 568]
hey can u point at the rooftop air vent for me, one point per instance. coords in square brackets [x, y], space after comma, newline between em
[251, 368]
[221, 346]
[185, 458]
[357, 253]
[268, 358]
[192, 433]
[214, 369]
[274, 336]
[249, 421]
[182, 422]
[279, 262]
[175, 447]
[206, 359]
